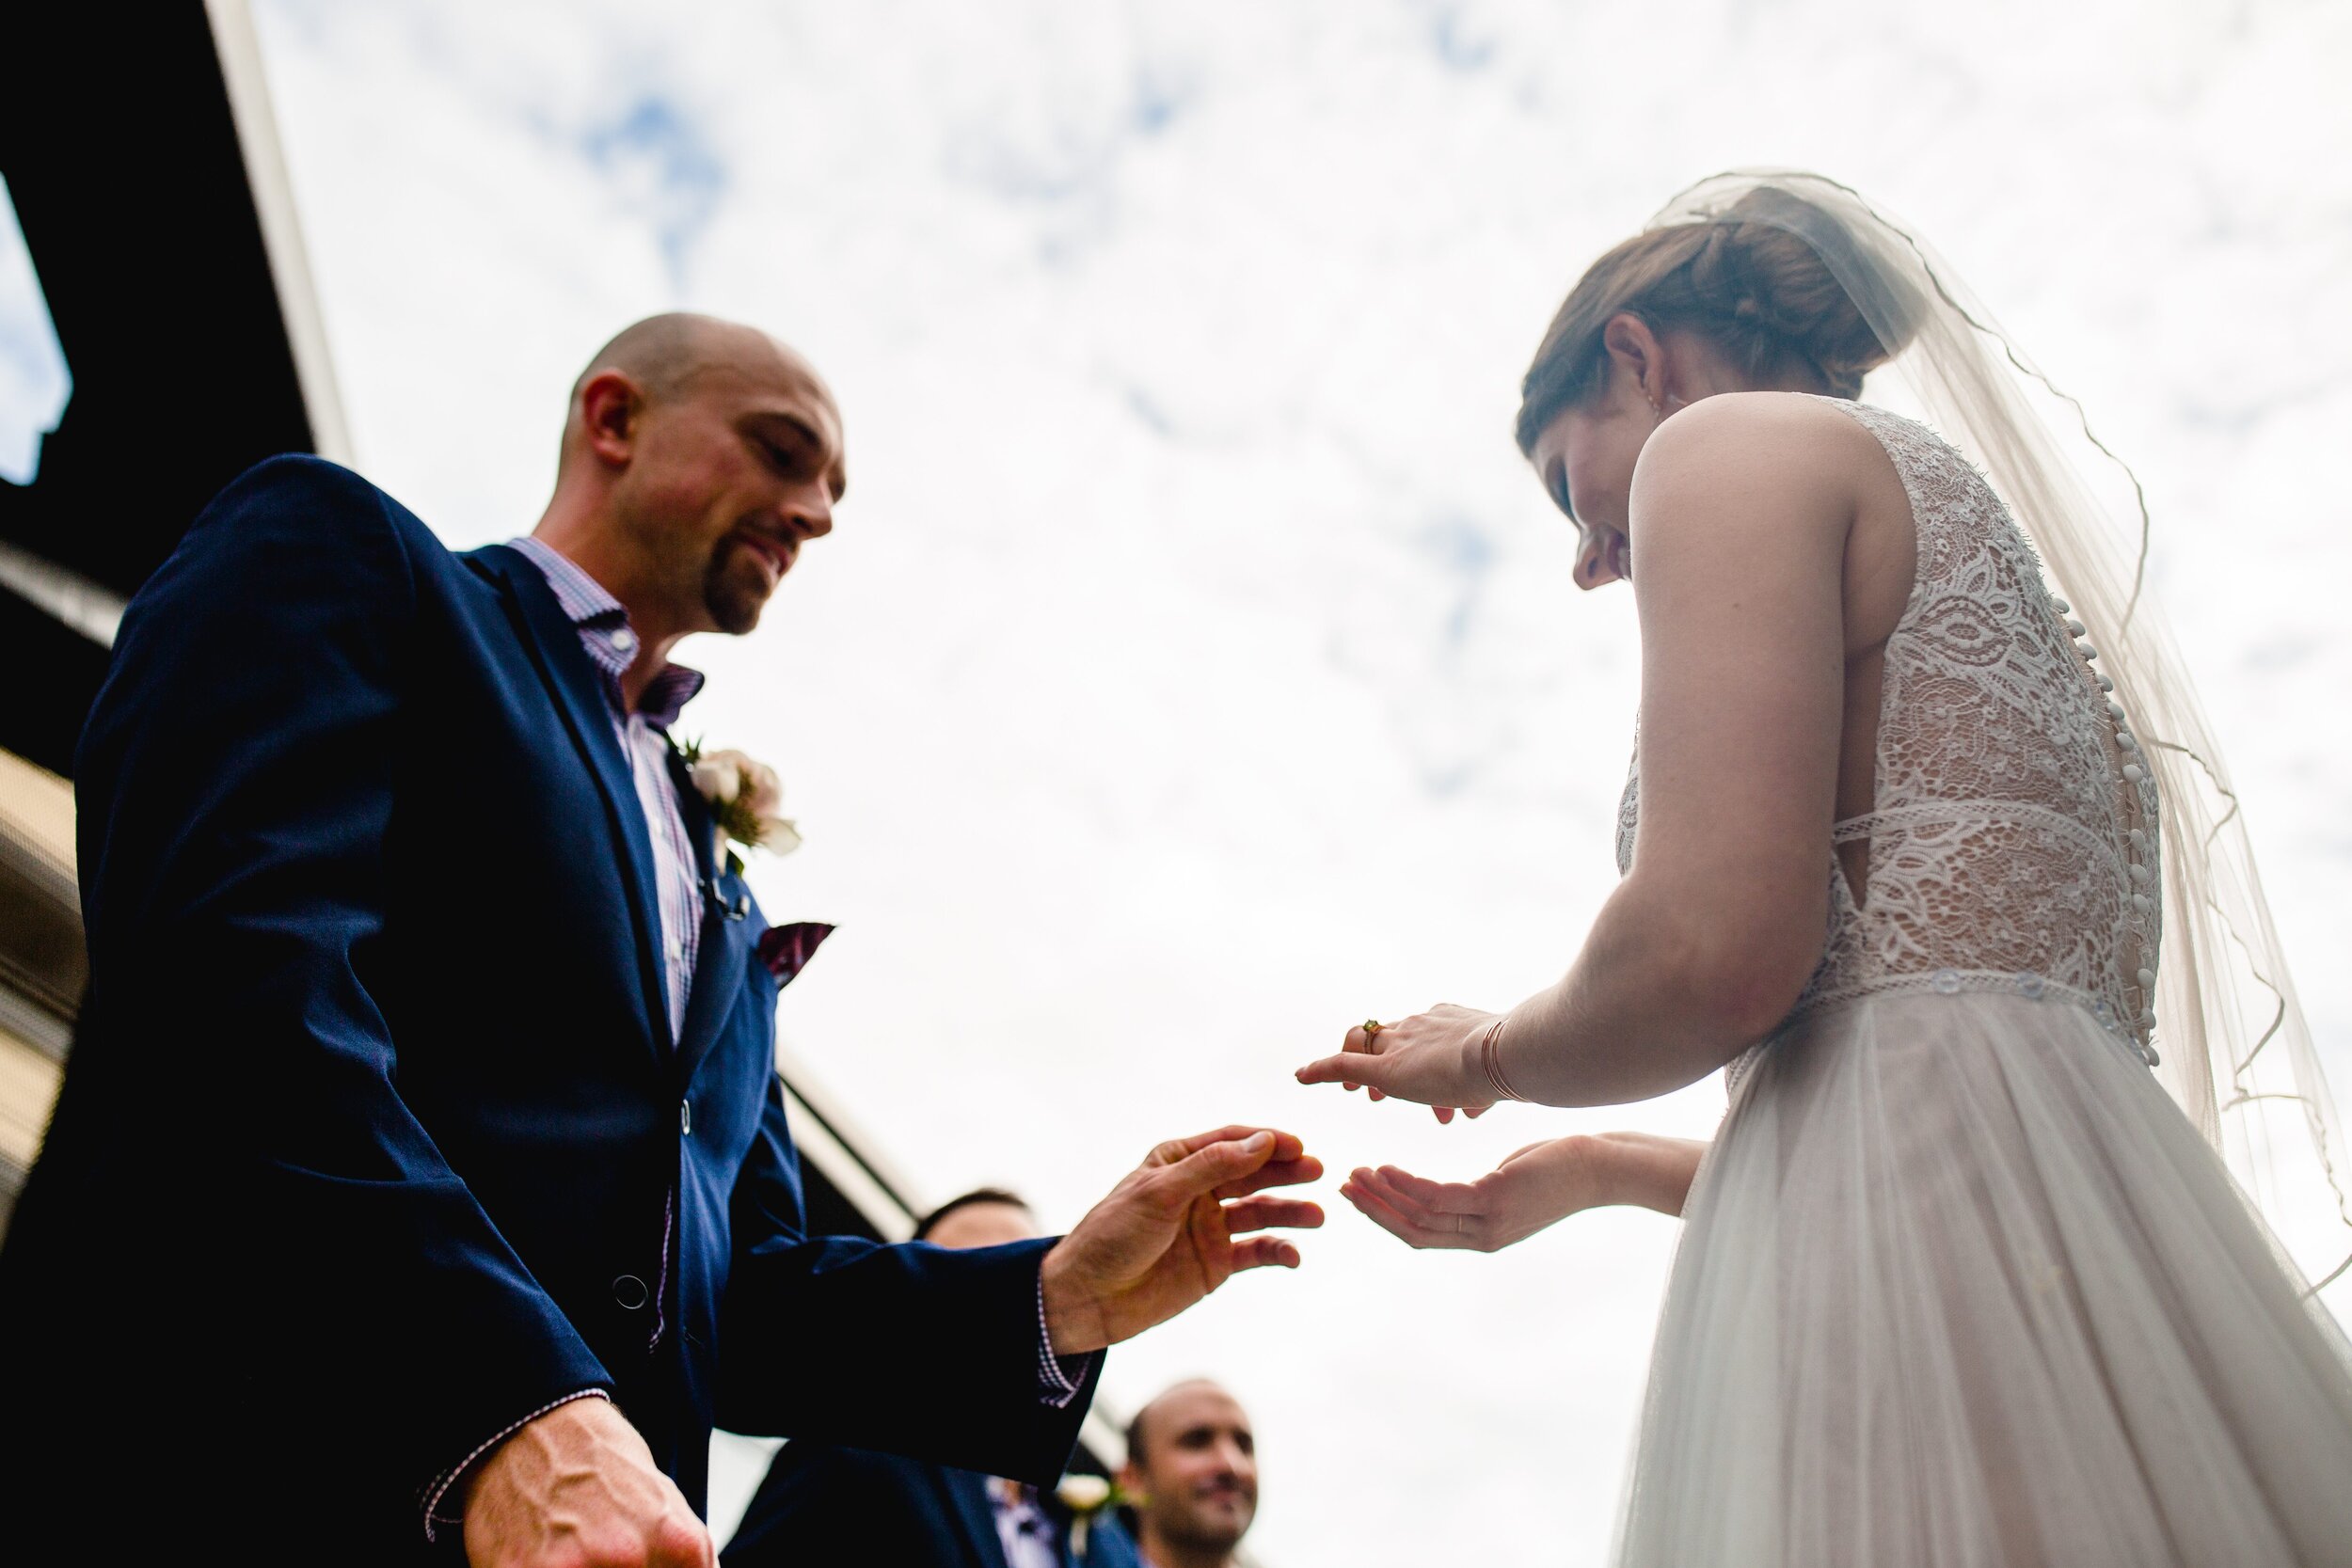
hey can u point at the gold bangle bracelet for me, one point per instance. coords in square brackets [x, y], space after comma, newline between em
[1491, 1056]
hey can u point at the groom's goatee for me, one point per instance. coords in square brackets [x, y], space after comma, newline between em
[735, 612]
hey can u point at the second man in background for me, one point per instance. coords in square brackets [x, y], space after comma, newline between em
[825, 1503]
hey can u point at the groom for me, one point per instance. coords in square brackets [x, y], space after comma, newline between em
[420, 1175]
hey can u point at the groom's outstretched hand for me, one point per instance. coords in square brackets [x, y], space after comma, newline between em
[1175, 1229]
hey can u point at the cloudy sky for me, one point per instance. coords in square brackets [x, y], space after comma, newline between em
[1194, 669]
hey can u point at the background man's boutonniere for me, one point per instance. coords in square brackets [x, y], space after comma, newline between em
[746, 800]
[1085, 1497]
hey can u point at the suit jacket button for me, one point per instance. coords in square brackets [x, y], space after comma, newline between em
[629, 1293]
[686, 1118]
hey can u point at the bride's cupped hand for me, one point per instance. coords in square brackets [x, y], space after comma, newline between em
[1538, 1185]
[1431, 1059]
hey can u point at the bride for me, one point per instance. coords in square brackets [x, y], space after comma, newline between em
[1960, 1282]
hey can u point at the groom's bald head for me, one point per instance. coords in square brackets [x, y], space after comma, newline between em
[659, 351]
[664, 355]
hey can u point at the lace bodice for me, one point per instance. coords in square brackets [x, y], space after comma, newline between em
[2013, 841]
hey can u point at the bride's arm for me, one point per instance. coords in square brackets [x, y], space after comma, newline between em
[1539, 1186]
[1739, 519]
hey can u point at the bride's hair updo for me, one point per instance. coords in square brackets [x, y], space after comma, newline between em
[1755, 291]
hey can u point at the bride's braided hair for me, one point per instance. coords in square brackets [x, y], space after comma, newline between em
[1759, 293]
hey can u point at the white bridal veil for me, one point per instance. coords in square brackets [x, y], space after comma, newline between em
[2235, 1051]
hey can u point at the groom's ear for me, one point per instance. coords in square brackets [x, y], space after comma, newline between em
[611, 408]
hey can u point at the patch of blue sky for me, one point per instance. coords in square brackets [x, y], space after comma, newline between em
[1069, 173]
[1158, 101]
[35, 382]
[1466, 553]
[1148, 412]
[664, 167]
[1455, 45]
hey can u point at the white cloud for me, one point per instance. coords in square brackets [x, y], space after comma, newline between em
[1195, 669]
[35, 382]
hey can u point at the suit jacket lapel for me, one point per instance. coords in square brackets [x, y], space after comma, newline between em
[969, 1493]
[573, 683]
[721, 959]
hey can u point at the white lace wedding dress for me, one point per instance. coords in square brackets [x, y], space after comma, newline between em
[1959, 1284]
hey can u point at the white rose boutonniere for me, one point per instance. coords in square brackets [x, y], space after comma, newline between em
[746, 800]
[1085, 1497]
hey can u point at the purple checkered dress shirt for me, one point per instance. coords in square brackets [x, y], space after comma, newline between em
[612, 646]
[644, 738]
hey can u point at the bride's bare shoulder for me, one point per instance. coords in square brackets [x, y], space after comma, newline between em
[1757, 446]
[1782, 429]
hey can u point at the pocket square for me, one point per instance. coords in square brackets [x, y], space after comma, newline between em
[786, 949]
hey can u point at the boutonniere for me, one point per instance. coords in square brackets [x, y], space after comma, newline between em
[746, 800]
[1085, 1497]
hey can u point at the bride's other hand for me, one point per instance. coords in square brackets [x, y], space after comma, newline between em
[1431, 1059]
[1535, 1187]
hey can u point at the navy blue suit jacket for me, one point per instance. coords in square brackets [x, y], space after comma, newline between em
[823, 1504]
[373, 1119]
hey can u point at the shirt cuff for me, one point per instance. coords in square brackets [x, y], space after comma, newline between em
[441, 1485]
[1058, 1376]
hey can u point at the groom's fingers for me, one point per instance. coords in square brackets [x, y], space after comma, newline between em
[1263, 1252]
[1274, 1173]
[1287, 1146]
[1212, 1166]
[1232, 1165]
[1263, 1213]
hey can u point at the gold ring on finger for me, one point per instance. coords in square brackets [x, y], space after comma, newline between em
[1373, 1026]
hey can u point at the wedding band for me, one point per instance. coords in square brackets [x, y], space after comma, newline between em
[1373, 1026]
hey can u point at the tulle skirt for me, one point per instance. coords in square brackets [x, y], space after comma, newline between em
[1960, 1286]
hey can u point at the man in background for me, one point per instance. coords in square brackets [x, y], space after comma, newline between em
[821, 1502]
[1191, 1476]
